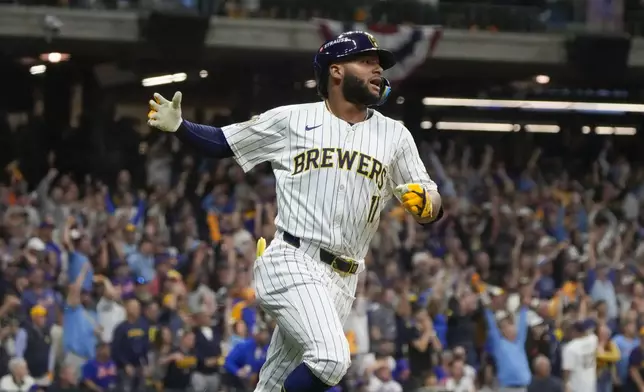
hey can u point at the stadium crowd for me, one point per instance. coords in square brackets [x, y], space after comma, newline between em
[143, 281]
[492, 15]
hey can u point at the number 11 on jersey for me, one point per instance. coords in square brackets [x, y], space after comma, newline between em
[373, 208]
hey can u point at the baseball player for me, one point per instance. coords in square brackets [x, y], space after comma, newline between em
[579, 359]
[336, 162]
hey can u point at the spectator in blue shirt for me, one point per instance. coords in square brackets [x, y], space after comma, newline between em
[545, 285]
[99, 375]
[246, 359]
[79, 247]
[626, 342]
[130, 244]
[80, 326]
[603, 290]
[133, 213]
[440, 326]
[508, 347]
[141, 262]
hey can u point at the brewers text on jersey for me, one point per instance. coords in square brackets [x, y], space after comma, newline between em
[329, 157]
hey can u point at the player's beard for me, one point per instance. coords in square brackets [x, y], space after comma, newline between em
[357, 91]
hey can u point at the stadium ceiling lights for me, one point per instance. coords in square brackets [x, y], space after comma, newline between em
[164, 79]
[530, 128]
[473, 126]
[54, 57]
[588, 107]
[542, 79]
[38, 69]
[608, 130]
[542, 128]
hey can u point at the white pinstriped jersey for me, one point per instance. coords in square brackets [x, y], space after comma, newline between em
[332, 178]
[579, 358]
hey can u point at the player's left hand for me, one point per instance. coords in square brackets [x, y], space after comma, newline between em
[415, 199]
[165, 115]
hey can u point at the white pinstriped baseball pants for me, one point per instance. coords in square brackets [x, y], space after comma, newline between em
[310, 303]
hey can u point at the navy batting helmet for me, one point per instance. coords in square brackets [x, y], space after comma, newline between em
[345, 46]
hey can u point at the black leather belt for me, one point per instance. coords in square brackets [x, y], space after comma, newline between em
[338, 263]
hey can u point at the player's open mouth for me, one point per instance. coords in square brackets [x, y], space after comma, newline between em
[375, 83]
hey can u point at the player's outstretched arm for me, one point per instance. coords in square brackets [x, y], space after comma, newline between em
[166, 116]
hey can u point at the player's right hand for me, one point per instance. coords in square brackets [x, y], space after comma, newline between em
[165, 115]
[415, 199]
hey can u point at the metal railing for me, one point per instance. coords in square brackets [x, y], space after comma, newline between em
[490, 16]
[451, 15]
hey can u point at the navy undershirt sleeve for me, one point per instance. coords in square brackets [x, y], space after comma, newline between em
[208, 140]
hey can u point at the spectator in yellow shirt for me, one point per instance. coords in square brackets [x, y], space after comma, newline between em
[607, 356]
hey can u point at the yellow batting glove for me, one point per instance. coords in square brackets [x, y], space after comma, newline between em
[415, 199]
[261, 246]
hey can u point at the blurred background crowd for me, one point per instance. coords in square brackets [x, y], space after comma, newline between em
[143, 281]
[126, 259]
